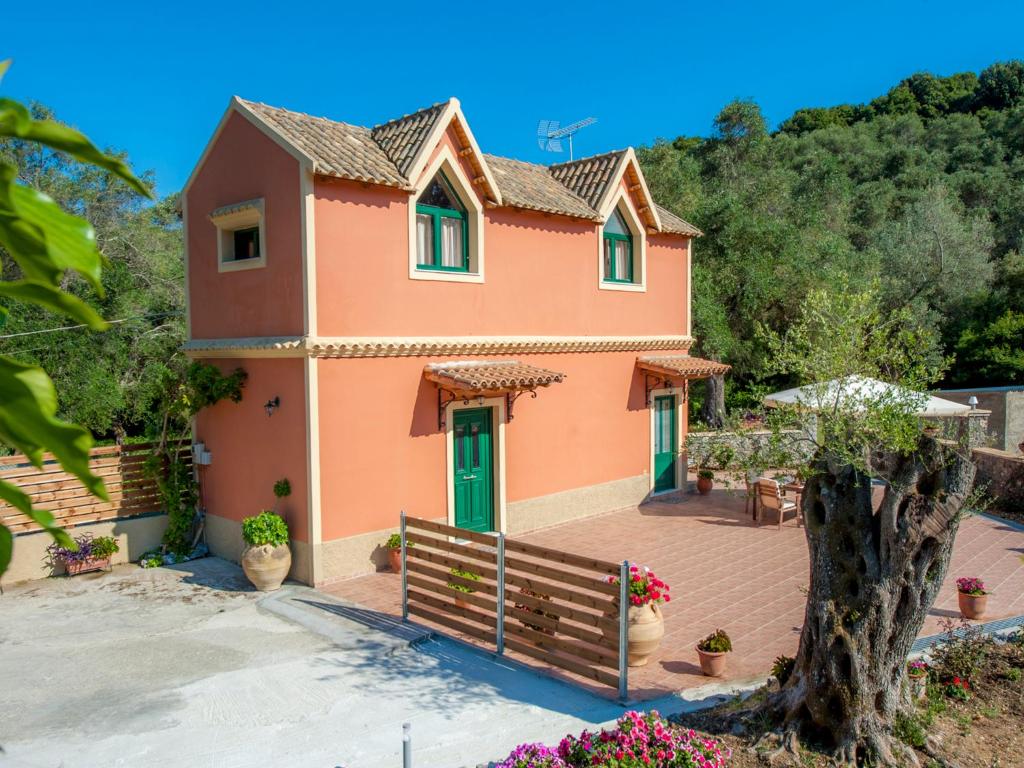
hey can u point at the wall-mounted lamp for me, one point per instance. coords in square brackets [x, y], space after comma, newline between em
[973, 402]
[271, 405]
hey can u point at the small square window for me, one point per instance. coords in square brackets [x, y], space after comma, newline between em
[241, 236]
[247, 244]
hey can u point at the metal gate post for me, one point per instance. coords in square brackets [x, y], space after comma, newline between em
[405, 583]
[500, 612]
[623, 631]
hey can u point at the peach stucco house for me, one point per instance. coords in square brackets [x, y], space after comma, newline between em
[393, 292]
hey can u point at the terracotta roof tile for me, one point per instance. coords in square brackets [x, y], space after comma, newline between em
[401, 139]
[384, 154]
[588, 178]
[474, 376]
[338, 149]
[672, 223]
[531, 186]
[682, 365]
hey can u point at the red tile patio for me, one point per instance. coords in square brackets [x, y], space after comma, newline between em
[727, 572]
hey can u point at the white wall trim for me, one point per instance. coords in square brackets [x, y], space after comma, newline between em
[604, 205]
[497, 406]
[445, 161]
[680, 437]
[315, 519]
[620, 200]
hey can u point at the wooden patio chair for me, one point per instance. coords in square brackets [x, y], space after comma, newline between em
[769, 494]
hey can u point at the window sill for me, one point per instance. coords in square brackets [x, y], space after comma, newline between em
[609, 285]
[444, 275]
[242, 264]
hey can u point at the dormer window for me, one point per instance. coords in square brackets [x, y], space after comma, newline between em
[441, 238]
[618, 250]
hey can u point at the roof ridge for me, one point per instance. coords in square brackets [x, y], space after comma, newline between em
[301, 114]
[415, 112]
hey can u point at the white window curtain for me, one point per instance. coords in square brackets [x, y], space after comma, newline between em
[622, 260]
[607, 259]
[451, 242]
[424, 239]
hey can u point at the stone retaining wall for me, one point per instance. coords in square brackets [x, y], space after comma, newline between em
[1003, 474]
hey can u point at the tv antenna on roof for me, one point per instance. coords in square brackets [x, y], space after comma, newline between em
[550, 135]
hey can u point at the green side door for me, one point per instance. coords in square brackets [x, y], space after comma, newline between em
[473, 466]
[666, 438]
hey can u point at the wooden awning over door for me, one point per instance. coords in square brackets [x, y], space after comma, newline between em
[681, 366]
[468, 379]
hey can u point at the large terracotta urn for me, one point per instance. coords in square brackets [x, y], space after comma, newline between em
[267, 566]
[972, 606]
[646, 628]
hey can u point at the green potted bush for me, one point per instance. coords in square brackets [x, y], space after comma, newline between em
[712, 650]
[705, 481]
[394, 548]
[267, 558]
[462, 589]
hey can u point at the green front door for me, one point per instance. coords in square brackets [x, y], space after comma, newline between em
[473, 466]
[665, 441]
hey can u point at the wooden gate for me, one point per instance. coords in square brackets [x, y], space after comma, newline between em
[556, 607]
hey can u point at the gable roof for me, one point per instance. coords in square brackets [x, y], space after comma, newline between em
[394, 153]
[589, 177]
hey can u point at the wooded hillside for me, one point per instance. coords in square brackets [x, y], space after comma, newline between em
[921, 190]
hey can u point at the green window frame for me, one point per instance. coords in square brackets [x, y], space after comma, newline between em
[611, 271]
[437, 215]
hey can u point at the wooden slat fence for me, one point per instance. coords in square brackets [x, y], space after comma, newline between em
[132, 491]
[552, 606]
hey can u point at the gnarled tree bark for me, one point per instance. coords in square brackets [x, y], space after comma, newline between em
[712, 411]
[874, 576]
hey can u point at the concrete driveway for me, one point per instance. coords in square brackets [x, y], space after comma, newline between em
[188, 666]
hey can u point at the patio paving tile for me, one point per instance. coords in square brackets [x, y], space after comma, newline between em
[725, 571]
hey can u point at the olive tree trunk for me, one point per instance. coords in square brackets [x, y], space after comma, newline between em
[712, 410]
[874, 576]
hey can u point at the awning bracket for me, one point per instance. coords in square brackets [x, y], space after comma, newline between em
[653, 382]
[511, 397]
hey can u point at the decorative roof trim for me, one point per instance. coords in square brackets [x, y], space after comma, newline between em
[226, 211]
[604, 205]
[419, 346]
[452, 112]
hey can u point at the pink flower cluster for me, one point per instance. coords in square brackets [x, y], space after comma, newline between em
[644, 586]
[971, 585]
[643, 740]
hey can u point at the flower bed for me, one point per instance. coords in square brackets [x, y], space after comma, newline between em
[639, 740]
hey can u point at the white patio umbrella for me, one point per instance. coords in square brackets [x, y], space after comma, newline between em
[853, 388]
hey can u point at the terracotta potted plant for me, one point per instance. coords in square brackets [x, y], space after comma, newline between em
[705, 481]
[917, 674]
[972, 596]
[266, 559]
[462, 589]
[394, 548]
[712, 651]
[646, 625]
[931, 428]
[87, 554]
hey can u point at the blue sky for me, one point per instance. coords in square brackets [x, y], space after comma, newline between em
[154, 79]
